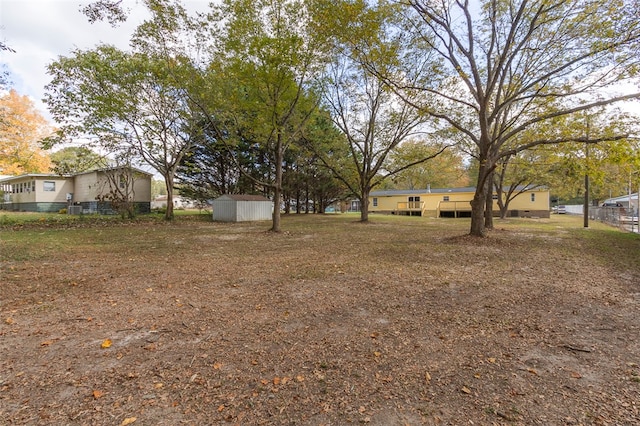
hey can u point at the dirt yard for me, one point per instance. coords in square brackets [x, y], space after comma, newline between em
[405, 321]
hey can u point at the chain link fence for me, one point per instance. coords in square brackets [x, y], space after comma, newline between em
[621, 217]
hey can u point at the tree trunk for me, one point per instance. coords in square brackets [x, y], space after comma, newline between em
[168, 180]
[275, 226]
[477, 213]
[488, 208]
[503, 210]
[364, 207]
[277, 188]
[503, 203]
[479, 201]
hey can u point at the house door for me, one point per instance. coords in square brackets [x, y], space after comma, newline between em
[414, 202]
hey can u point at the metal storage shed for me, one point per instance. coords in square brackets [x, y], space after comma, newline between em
[242, 208]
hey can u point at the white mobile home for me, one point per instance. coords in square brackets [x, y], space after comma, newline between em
[85, 191]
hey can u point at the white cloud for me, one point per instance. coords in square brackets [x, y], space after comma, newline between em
[42, 30]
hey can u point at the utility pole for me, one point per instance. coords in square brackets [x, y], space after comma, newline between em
[585, 208]
[630, 206]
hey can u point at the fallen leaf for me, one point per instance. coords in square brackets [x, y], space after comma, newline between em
[427, 377]
[276, 381]
[300, 378]
[466, 390]
[106, 343]
[491, 360]
[377, 354]
[217, 365]
[9, 321]
[220, 408]
[576, 375]
[46, 343]
[532, 371]
[97, 394]
[128, 421]
[158, 385]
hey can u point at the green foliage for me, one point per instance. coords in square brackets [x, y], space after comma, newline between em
[71, 160]
[130, 103]
[519, 66]
[257, 88]
[157, 188]
[373, 119]
[444, 171]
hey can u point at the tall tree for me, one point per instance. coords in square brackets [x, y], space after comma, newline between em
[77, 159]
[507, 65]
[22, 128]
[517, 174]
[133, 103]
[604, 163]
[111, 10]
[269, 55]
[372, 117]
[445, 171]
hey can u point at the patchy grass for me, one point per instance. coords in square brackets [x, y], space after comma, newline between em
[20, 220]
[404, 320]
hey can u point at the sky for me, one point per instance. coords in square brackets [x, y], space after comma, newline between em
[40, 31]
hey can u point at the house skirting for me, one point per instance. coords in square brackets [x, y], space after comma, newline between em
[528, 213]
[34, 207]
[104, 207]
[89, 207]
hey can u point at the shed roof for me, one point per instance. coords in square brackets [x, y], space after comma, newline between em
[244, 197]
[622, 198]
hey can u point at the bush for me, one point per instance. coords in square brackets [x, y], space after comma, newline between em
[62, 211]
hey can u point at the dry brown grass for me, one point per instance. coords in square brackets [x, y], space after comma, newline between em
[332, 322]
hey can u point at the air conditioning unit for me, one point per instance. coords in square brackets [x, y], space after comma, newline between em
[74, 210]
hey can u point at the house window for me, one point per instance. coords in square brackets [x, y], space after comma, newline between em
[494, 196]
[445, 198]
[33, 186]
[123, 181]
[533, 197]
[48, 186]
[375, 202]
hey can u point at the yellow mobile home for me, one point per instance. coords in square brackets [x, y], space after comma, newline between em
[455, 202]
